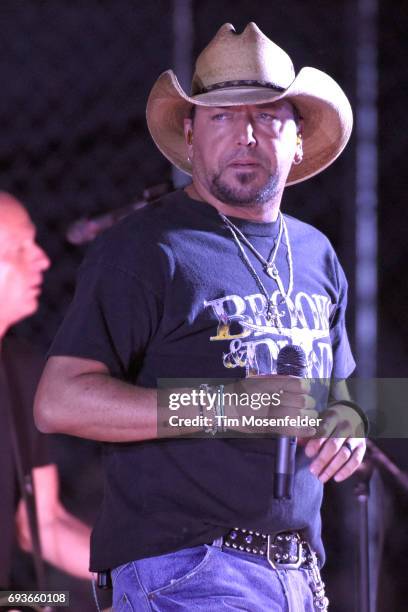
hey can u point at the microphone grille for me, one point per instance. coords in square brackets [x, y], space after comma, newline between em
[291, 361]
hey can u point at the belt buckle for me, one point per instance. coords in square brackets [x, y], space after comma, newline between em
[285, 559]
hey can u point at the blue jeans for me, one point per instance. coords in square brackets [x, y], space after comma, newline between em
[209, 579]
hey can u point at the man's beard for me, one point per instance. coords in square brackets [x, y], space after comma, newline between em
[244, 195]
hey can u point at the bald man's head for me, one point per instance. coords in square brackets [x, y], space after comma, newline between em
[22, 263]
[11, 209]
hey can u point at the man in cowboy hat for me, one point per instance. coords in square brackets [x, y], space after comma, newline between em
[211, 282]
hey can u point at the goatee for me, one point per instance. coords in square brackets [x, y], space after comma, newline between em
[244, 195]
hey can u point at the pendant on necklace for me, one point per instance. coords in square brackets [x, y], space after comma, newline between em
[273, 315]
[271, 270]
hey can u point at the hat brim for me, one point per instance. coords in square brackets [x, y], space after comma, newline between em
[323, 106]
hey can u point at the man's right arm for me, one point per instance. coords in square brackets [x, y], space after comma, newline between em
[79, 397]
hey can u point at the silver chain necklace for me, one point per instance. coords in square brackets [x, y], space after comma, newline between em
[268, 264]
[271, 310]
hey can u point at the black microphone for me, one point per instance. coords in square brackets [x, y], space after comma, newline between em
[291, 361]
[86, 230]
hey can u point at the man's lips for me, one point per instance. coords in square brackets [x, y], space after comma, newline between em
[36, 287]
[244, 163]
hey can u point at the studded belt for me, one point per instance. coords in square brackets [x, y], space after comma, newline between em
[284, 550]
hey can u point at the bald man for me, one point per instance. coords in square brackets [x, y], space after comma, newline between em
[64, 539]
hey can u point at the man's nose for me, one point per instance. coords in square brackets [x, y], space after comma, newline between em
[41, 259]
[246, 134]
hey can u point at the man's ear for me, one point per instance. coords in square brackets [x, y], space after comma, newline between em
[300, 135]
[188, 132]
[298, 157]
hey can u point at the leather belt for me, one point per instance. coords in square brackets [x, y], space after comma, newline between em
[285, 550]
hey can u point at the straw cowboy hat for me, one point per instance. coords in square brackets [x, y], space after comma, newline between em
[249, 68]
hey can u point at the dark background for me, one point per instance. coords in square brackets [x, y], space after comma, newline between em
[75, 76]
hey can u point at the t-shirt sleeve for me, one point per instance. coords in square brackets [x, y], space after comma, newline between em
[343, 361]
[112, 317]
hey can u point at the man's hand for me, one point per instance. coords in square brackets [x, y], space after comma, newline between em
[294, 401]
[337, 450]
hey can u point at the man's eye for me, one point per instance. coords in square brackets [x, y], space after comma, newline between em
[220, 116]
[267, 117]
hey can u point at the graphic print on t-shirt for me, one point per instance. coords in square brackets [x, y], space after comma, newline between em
[254, 341]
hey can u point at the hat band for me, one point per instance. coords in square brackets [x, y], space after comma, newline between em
[240, 83]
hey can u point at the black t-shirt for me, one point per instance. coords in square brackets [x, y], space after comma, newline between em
[165, 294]
[26, 365]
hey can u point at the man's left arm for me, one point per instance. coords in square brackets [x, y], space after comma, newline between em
[64, 538]
[340, 447]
